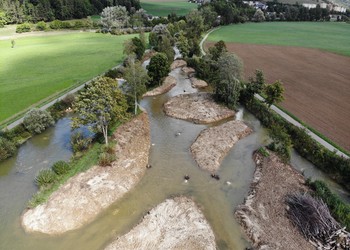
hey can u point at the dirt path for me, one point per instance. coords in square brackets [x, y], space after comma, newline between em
[212, 144]
[85, 195]
[176, 223]
[317, 84]
[263, 215]
[197, 108]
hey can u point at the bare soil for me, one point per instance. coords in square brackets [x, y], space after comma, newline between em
[263, 215]
[85, 195]
[178, 64]
[197, 108]
[317, 84]
[197, 83]
[168, 83]
[212, 144]
[176, 223]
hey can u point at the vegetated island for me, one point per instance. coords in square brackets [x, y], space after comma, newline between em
[197, 108]
[263, 216]
[176, 223]
[212, 144]
[85, 195]
[168, 83]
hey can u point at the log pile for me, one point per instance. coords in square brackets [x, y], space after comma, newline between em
[312, 217]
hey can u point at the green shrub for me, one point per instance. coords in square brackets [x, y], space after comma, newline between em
[115, 73]
[67, 25]
[109, 149]
[56, 24]
[263, 152]
[36, 121]
[79, 142]
[7, 148]
[61, 167]
[24, 27]
[41, 26]
[106, 159]
[45, 178]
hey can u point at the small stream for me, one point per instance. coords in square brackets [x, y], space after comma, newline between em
[170, 159]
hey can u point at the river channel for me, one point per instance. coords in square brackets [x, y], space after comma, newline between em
[170, 159]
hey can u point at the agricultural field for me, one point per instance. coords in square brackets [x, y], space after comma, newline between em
[163, 8]
[40, 67]
[316, 80]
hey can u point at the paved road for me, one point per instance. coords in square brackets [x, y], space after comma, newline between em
[19, 121]
[286, 116]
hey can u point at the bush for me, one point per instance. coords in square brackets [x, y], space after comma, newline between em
[68, 100]
[106, 159]
[115, 73]
[67, 25]
[45, 178]
[7, 148]
[61, 167]
[56, 24]
[36, 121]
[41, 26]
[263, 152]
[79, 142]
[24, 27]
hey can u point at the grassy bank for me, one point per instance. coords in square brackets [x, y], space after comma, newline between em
[163, 8]
[42, 66]
[329, 36]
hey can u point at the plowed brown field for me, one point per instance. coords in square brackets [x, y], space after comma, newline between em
[317, 84]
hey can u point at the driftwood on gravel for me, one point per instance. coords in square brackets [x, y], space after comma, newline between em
[312, 217]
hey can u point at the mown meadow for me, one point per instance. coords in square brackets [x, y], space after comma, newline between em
[329, 36]
[40, 67]
[163, 8]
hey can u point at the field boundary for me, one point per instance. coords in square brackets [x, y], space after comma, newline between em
[329, 144]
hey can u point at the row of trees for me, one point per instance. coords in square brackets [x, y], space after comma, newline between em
[19, 11]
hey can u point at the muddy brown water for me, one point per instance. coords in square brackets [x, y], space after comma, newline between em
[170, 159]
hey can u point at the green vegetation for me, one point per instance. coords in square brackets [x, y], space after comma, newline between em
[330, 36]
[45, 178]
[40, 68]
[36, 121]
[89, 159]
[339, 210]
[160, 8]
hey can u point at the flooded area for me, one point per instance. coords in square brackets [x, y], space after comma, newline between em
[170, 159]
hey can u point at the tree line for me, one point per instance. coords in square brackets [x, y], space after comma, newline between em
[19, 11]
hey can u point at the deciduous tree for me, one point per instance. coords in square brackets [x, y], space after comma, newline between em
[158, 68]
[136, 77]
[98, 104]
[274, 93]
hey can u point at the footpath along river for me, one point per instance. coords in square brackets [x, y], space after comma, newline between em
[170, 159]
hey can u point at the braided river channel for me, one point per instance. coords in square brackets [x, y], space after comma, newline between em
[170, 159]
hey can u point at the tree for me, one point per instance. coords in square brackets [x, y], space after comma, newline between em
[158, 68]
[136, 77]
[99, 104]
[194, 24]
[134, 46]
[281, 141]
[217, 50]
[7, 148]
[227, 87]
[259, 16]
[274, 93]
[115, 17]
[36, 121]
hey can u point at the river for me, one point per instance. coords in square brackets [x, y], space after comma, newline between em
[170, 159]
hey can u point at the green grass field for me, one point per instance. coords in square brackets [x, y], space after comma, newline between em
[334, 37]
[163, 8]
[42, 66]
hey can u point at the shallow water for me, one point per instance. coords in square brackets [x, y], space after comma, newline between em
[170, 159]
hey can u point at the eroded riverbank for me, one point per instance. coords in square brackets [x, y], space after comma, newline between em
[263, 216]
[85, 195]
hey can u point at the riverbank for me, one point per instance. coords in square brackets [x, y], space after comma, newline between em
[176, 223]
[197, 107]
[168, 83]
[212, 144]
[263, 216]
[85, 195]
